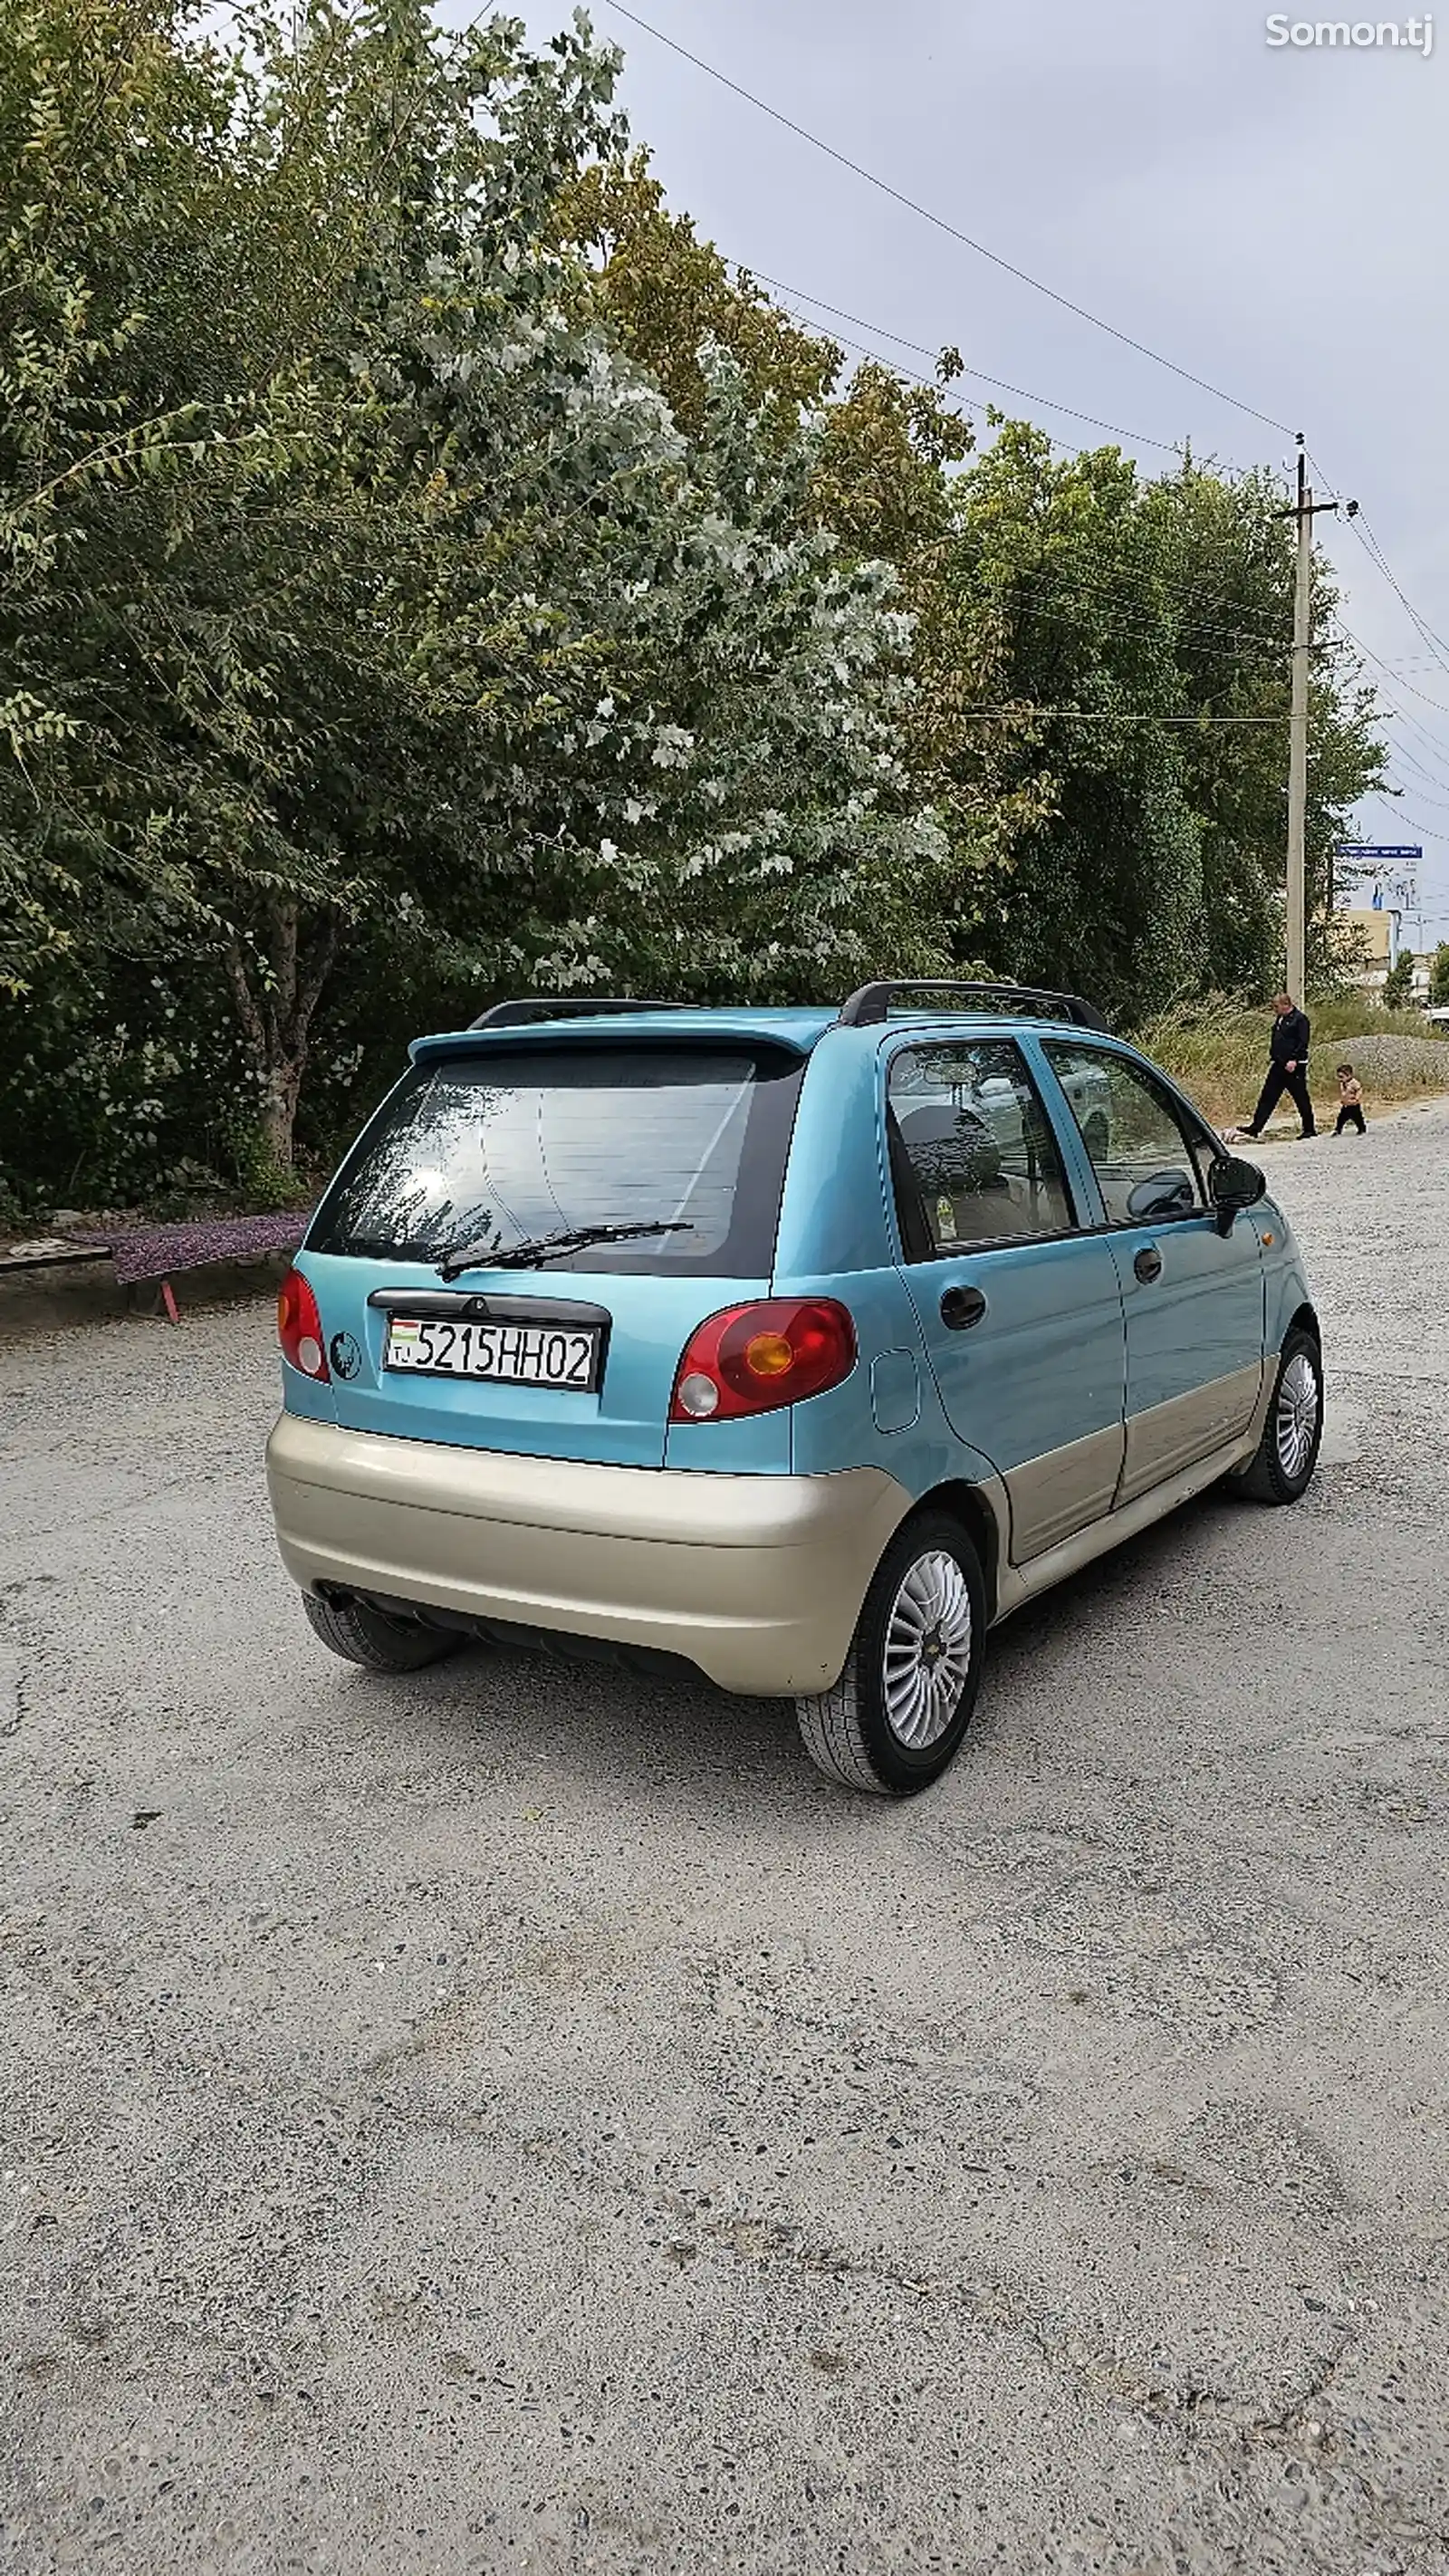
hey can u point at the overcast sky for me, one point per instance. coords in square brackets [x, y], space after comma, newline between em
[1273, 220]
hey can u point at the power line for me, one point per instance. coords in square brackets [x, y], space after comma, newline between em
[1421, 776]
[1415, 789]
[1138, 437]
[953, 231]
[1025, 713]
[1194, 629]
[965, 409]
[1263, 635]
[781, 287]
[1379, 795]
[1411, 819]
[1355, 643]
[1434, 777]
[1381, 564]
[1143, 629]
[1380, 561]
[1322, 482]
[1359, 646]
[1436, 643]
[1272, 633]
[928, 215]
[892, 366]
[909, 375]
[956, 403]
[1425, 742]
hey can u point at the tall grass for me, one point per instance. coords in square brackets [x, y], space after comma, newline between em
[1218, 1051]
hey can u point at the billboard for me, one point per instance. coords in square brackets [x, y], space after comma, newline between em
[1391, 868]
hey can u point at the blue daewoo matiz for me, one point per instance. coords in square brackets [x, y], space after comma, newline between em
[797, 1345]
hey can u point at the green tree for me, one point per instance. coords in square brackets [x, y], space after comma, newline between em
[1399, 982]
[1439, 976]
[1226, 561]
[881, 484]
[887, 483]
[669, 297]
[1178, 631]
[425, 567]
[365, 600]
[1105, 893]
[1142, 670]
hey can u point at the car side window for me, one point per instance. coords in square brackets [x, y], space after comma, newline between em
[1150, 1163]
[973, 1155]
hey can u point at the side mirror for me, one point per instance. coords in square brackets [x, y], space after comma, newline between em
[1160, 1196]
[1235, 1185]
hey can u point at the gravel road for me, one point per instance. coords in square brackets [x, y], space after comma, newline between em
[515, 2119]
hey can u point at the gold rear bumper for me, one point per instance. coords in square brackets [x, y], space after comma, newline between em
[756, 1579]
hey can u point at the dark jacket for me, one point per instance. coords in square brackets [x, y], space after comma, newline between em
[1288, 1043]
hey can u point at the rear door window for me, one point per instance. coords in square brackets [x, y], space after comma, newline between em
[520, 1142]
[973, 1153]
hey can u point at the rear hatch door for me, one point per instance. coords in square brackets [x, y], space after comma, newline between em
[450, 1309]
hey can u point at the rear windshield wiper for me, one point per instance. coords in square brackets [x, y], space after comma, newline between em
[481, 1255]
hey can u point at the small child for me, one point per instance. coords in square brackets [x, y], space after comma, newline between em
[1350, 1100]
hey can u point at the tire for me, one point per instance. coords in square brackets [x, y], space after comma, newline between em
[371, 1638]
[1283, 1467]
[849, 1732]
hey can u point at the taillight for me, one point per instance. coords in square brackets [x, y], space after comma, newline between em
[299, 1326]
[749, 1359]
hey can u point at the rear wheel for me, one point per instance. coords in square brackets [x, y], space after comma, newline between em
[374, 1639]
[896, 1717]
[1281, 1470]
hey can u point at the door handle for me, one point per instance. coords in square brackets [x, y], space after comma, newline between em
[1148, 1264]
[961, 1308]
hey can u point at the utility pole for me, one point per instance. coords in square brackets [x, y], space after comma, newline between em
[1304, 511]
[1297, 940]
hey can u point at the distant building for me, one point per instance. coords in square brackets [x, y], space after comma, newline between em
[1374, 938]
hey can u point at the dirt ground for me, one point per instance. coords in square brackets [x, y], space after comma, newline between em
[519, 2119]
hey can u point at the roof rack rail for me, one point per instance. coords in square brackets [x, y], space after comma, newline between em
[873, 1001]
[560, 1006]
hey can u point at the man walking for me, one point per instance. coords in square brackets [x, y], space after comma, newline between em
[1287, 1068]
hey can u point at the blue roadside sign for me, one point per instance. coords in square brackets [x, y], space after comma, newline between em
[1378, 849]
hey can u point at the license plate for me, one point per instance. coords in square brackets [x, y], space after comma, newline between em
[556, 1355]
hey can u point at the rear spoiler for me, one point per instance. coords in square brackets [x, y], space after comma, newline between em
[481, 1037]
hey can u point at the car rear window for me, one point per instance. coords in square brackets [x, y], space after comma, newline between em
[520, 1141]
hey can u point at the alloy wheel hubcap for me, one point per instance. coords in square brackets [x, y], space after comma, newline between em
[1297, 1417]
[927, 1650]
